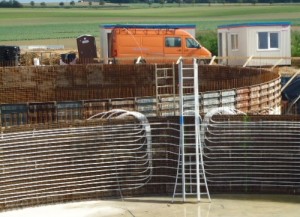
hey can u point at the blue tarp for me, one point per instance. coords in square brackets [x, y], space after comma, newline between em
[292, 91]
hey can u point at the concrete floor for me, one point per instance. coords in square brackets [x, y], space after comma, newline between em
[221, 206]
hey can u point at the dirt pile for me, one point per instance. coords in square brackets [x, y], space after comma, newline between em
[43, 57]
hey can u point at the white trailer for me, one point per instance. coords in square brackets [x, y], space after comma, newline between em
[269, 41]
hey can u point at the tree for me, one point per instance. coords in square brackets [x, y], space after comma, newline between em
[72, 3]
[101, 2]
[162, 2]
[10, 4]
[61, 4]
[32, 3]
[179, 2]
[43, 4]
[16, 4]
[210, 41]
[90, 3]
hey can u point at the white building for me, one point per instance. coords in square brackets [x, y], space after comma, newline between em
[268, 43]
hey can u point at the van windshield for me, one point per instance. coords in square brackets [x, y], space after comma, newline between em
[191, 43]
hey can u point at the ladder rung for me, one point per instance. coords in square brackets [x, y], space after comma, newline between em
[165, 94]
[180, 194]
[191, 184]
[189, 125]
[190, 173]
[190, 193]
[189, 164]
[163, 69]
[194, 193]
[164, 77]
[187, 68]
[165, 103]
[188, 98]
[187, 78]
[165, 86]
[194, 184]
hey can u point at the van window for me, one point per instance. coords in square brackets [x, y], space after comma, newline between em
[173, 42]
[191, 43]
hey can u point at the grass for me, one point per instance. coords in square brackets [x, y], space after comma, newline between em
[55, 23]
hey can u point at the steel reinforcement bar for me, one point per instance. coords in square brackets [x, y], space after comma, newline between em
[41, 166]
[88, 82]
[253, 153]
[264, 98]
[70, 161]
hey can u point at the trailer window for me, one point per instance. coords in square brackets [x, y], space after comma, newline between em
[173, 42]
[234, 42]
[268, 40]
[191, 43]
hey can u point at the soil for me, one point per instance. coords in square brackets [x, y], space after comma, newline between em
[221, 206]
[288, 70]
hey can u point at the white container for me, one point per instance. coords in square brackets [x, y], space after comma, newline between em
[36, 61]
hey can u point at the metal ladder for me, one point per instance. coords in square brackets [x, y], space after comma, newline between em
[165, 88]
[190, 172]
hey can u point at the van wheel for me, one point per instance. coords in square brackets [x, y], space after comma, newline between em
[202, 62]
[113, 61]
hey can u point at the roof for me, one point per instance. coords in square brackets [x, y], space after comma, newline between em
[150, 26]
[238, 25]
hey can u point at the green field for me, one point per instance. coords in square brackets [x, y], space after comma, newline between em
[58, 23]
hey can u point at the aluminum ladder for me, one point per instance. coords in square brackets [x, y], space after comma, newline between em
[165, 90]
[190, 172]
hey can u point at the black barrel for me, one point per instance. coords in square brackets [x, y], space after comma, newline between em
[9, 55]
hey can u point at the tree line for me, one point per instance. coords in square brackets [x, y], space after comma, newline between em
[16, 4]
[10, 4]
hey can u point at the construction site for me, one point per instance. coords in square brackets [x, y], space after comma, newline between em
[89, 131]
[185, 130]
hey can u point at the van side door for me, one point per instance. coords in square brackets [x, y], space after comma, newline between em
[173, 46]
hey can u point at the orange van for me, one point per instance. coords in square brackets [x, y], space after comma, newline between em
[155, 45]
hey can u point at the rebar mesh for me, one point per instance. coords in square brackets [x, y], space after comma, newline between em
[79, 160]
[252, 152]
[89, 82]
